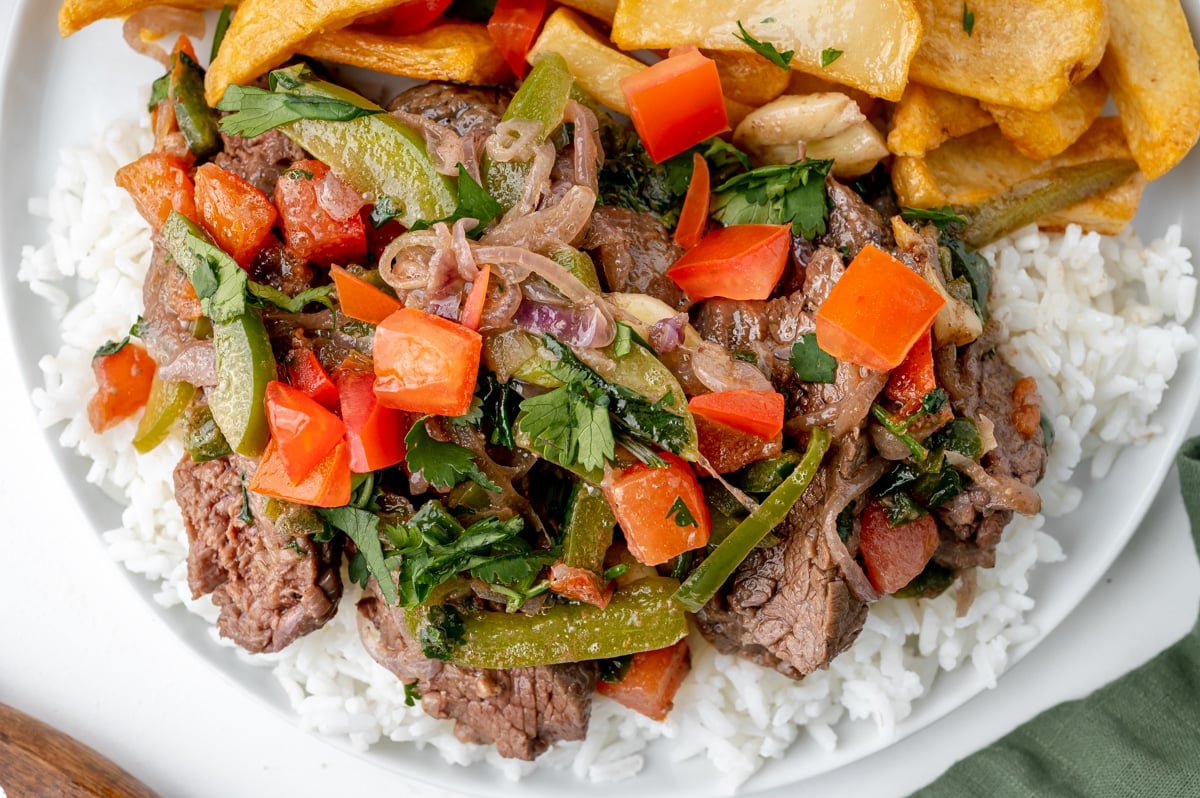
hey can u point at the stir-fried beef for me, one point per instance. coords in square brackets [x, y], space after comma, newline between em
[635, 251]
[271, 587]
[275, 266]
[981, 385]
[852, 222]
[788, 606]
[259, 160]
[522, 711]
[464, 109]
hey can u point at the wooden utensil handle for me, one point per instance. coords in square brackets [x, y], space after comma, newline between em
[37, 759]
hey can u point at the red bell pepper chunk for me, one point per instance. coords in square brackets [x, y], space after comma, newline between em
[159, 183]
[676, 103]
[660, 510]
[308, 228]
[307, 374]
[236, 214]
[693, 216]
[374, 433]
[122, 385]
[893, 556]
[743, 261]
[650, 684]
[360, 300]
[876, 311]
[513, 27]
[759, 413]
[412, 16]
[426, 364]
[909, 382]
[580, 584]
[303, 431]
[472, 312]
[327, 484]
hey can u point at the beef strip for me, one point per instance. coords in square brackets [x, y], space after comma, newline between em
[259, 160]
[635, 251]
[275, 266]
[852, 222]
[788, 606]
[980, 383]
[271, 587]
[464, 109]
[523, 711]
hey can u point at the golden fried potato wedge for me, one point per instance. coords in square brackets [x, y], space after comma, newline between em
[748, 77]
[75, 15]
[596, 67]
[1044, 134]
[265, 33]
[462, 52]
[1154, 78]
[603, 10]
[1017, 53]
[877, 38]
[969, 169]
[925, 117]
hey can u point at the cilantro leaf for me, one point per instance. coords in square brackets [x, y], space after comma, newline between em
[411, 695]
[441, 630]
[829, 55]
[384, 210]
[219, 282]
[255, 110]
[110, 348]
[473, 203]
[221, 29]
[362, 526]
[765, 49]
[568, 426]
[810, 362]
[443, 464]
[681, 514]
[942, 217]
[968, 20]
[778, 194]
[269, 295]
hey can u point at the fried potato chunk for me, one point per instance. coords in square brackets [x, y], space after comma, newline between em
[748, 77]
[1016, 53]
[1043, 134]
[596, 67]
[877, 38]
[970, 169]
[603, 10]
[1152, 72]
[75, 15]
[461, 52]
[925, 117]
[265, 33]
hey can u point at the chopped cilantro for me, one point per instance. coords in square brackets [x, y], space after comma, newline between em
[296, 173]
[968, 20]
[362, 526]
[441, 631]
[384, 210]
[776, 194]
[942, 217]
[245, 516]
[471, 418]
[110, 348]
[680, 514]
[829, 55]
[219, 282]
[745, 355]
[810, 362]
[443, 464]
[255, 110]
[411, 695]
[269, 295]
[765, 49]
[473, 203]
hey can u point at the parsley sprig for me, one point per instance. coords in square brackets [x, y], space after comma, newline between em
[255, 110]
[443, 464]
[776, 194]
[765, 49]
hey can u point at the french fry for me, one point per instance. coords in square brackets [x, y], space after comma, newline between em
[748, 77]
[967, 170]
[461, 52]
[1152, 71]
[603, 10]
[74, 15]
[1044, 134]
[1016, 53]
[877, 38]
[265, 33]
[925, 117]
[596, 67]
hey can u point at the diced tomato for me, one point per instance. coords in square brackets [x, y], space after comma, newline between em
[426, 364]
[876, 311]
[660, 510]
[909, 382]
[472, 312]
[303, 431]
[237, 214]
[374, 433]
[759, 413]
[650, 684]
[360, 300]
[159, 183]
[727, 449]
[123, 381]
[693, 216]
[327, 484]
[513, 27]
[308, 228]
[308, 375]
[676, 103]
[743, 261]
[580, 584]
[894, 555]
[1027, 407]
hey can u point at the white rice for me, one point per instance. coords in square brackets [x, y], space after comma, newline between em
[1098, 321]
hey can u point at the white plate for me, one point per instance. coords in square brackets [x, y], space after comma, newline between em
[62, 93]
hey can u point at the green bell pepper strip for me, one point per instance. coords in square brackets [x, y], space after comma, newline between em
[765, 476]
[587, 528]
[197, 122]
[245, 364]
[165, 406]
[579, 264]
[202, 438]
[707, 579]
[640, 617]
[378, 155]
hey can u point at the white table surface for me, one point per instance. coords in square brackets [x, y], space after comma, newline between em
[81, 650]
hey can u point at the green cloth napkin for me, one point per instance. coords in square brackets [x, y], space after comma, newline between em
[1139, 736]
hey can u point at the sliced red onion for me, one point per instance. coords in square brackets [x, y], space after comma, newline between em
[576, 326]
[545, 230]
[1007, 493]
[513, 140]
[468, 270]
[589, 156]
[517, 263]
[666, 335]
[158, 21]
[717, 370]
[195, 363]
[337, 198]
[445, 147]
